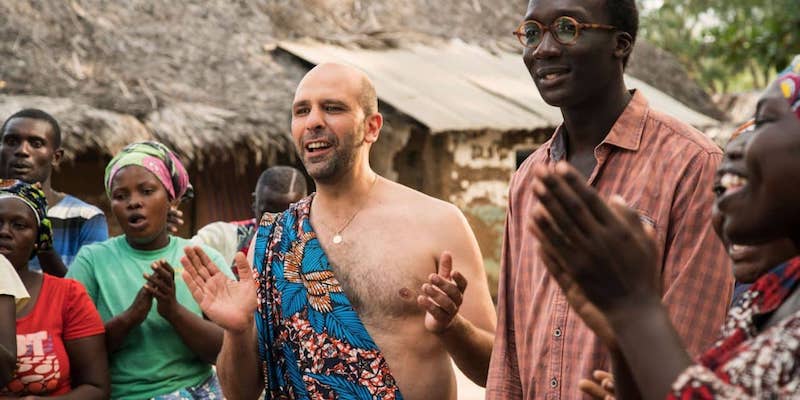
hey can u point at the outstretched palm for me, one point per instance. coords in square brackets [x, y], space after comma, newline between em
[229, 303]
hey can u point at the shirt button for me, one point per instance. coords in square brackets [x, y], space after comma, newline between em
[553, 382]
[557, 332]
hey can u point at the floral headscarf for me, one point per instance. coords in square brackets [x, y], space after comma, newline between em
[34, 198]
[789, 83]
[158, 159]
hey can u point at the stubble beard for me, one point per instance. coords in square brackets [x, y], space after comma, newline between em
[342, 161]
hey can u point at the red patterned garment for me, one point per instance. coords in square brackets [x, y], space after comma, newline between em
[746, 364]
[63, 312]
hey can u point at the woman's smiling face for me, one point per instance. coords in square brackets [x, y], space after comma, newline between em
[763, 206]
[749, 262]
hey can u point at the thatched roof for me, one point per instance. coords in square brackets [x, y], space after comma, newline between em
[87, 127]
[200, 75]
[195, 75]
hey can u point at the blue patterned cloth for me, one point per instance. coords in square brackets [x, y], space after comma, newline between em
[311, 341]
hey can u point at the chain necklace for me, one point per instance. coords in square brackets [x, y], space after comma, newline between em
[337, 237]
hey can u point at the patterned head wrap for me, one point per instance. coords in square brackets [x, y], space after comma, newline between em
[158, 159]
[788, 82]
[34, 198]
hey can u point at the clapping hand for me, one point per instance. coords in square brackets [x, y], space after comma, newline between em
[141, 306]
[161, 285]
[602, 248]
[229, 303]
[174, 219]
[442, 295]
[600, 387]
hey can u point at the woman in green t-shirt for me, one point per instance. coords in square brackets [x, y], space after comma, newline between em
[161, 352]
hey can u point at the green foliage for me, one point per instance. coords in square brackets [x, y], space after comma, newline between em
[726, 44]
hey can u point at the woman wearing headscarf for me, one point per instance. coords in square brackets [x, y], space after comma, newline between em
[748, 261]
[60, 348]
[605, 261]
[160, 345]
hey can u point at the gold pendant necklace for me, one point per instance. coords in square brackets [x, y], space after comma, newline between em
[337, 236]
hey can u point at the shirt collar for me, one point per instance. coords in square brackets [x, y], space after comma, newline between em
[626, 133]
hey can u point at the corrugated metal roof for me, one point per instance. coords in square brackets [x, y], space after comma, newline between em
[461, 87]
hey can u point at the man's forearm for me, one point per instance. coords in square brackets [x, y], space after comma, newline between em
[238, 365]
[470, 347]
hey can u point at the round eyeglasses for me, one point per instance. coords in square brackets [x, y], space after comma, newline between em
[745, 127]
[565, 30]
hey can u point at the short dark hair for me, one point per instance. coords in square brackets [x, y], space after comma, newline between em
[283, 179]
[35, 113]
[625, 16]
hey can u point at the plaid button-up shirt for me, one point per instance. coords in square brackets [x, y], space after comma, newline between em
[664, 169]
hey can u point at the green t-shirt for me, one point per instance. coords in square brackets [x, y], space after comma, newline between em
[153, 359]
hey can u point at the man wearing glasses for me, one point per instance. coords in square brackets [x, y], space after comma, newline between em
[576, 51]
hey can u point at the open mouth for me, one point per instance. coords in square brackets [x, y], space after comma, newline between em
[739, 252]
[551, 74]
[317, 147]
[136, 220]
[731, 182]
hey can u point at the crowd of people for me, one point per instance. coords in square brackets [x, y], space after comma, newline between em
[626, 234]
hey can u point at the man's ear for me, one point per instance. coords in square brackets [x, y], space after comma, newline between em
[624, 45]
[58, 154]
[373, 126]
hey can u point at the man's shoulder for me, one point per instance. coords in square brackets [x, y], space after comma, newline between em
[538, 156]
[404, 196]
[681, 134]
[72, 207]
[524, 174]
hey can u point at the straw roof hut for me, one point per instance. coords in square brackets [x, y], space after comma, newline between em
[199, 75]
[202, 76]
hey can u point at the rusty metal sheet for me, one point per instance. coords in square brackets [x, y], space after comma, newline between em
[462, 87]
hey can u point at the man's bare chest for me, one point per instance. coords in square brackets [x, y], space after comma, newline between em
[378, 278]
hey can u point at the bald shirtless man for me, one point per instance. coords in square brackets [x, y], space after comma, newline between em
[361, 287]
